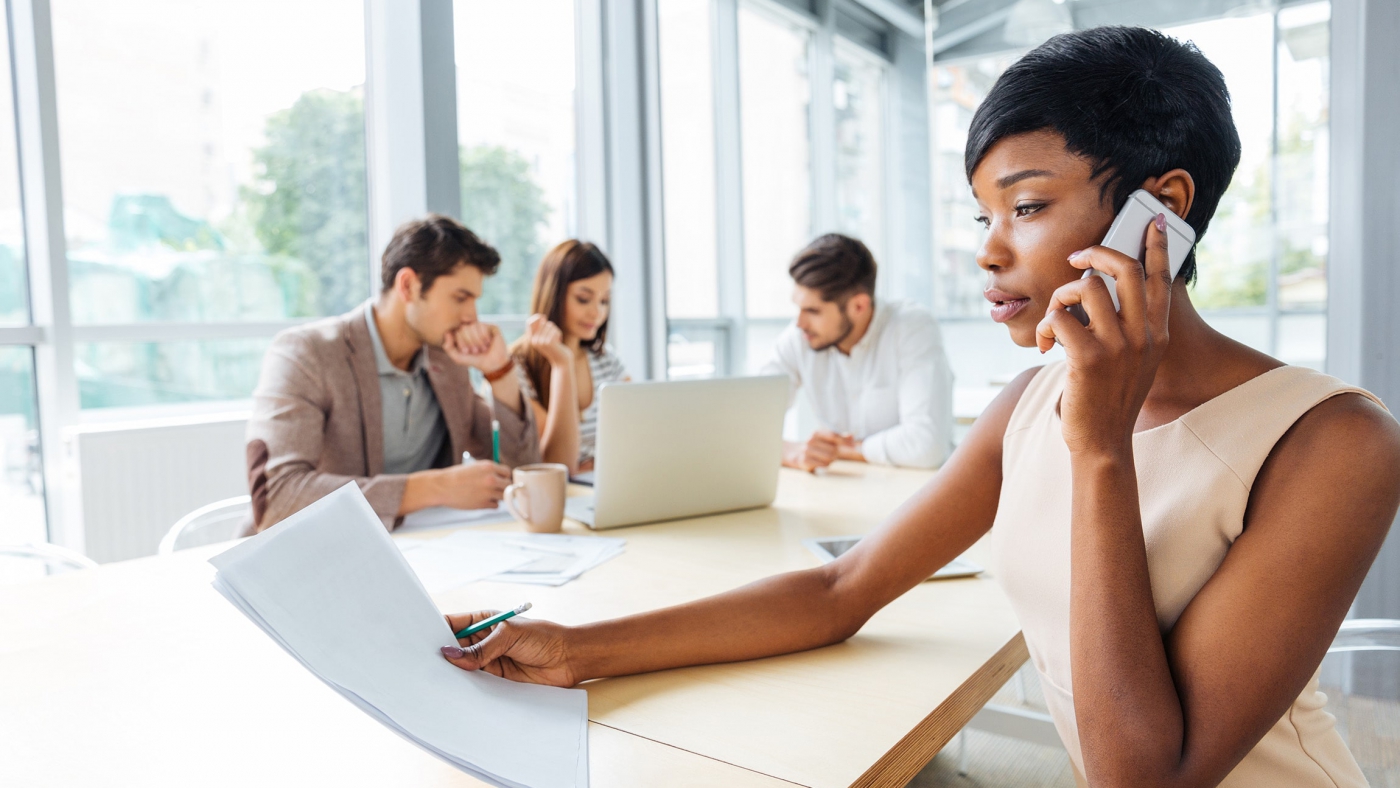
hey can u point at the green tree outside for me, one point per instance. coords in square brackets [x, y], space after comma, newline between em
[502, 203]
[310, 206]
[310, 203]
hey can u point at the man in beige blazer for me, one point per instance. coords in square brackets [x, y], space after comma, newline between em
[382, 396]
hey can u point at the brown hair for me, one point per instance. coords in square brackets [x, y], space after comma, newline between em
[434, 246]
[563, 265]
[836, 266]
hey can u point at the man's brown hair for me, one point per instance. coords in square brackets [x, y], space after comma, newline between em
[434, 246]
[836, 266]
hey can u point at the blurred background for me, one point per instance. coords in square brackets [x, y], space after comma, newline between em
[182, 179]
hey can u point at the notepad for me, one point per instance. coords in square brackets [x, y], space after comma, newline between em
[330, 587]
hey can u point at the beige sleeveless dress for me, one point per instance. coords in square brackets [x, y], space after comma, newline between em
[1194, 478]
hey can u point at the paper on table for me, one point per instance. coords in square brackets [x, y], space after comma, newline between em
[330, 587]
[550, 559]
[445, 517]
[443, 565]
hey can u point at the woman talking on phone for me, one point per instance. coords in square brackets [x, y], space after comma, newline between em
[1181, 522]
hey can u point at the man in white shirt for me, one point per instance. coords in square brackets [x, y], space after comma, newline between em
[875, 374]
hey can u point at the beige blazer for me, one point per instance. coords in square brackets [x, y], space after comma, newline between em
[317, 421]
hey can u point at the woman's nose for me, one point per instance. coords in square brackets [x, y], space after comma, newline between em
[993, 253]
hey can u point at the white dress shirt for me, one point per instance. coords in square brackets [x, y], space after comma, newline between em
[894, 392]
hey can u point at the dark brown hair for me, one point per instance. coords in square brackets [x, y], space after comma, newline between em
[563, 265]
[434, 246]
[836, 266]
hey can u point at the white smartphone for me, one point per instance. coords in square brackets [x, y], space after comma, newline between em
[1128, 234]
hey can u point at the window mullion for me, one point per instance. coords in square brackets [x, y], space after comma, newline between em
[41, 187]
[729, 187]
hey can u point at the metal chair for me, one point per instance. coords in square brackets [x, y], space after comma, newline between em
[215, 522]
[44, 559]
[1363, 693]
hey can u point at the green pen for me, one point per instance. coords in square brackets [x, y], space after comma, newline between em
[492, 621]
[495, 441]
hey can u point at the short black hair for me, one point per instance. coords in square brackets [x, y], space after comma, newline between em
[1134, 101]
[836, 266]
[433, 246]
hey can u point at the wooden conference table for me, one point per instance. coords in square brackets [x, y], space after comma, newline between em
[138, 673]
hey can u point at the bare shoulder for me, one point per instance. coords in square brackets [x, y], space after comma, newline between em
[1005, 403]
[1347, 427]
[987, 432]
[1338, 461]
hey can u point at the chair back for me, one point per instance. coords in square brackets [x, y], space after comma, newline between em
[1367, 634]
[211, 523]
[30, 561]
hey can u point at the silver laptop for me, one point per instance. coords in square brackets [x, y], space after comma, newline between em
[684, 448]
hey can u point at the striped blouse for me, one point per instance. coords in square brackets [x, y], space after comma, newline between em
[605, 367]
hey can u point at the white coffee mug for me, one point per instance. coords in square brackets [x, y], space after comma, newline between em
[537, 496]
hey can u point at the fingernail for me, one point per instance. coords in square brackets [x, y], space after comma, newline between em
[1077, 254]
[1161, 222]
[452, 652]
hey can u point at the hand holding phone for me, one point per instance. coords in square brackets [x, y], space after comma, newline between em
[1128, 235]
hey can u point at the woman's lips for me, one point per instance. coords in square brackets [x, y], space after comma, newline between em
[1005, 305]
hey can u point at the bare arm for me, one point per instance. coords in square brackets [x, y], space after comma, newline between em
[559, 431]
[785, 613]
[558, 423]
[1182, 709]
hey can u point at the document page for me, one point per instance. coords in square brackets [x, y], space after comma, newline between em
[329, 585]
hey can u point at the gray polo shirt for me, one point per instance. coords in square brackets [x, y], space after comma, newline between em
[413, 426]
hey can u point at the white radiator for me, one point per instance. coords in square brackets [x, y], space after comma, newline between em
[132, 481]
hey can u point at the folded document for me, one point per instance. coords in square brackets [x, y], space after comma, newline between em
[331, 588]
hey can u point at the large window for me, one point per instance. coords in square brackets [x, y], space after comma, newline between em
[21, 466]
[214, 172]
[14, 285]
[748, 179]
[515, 122]
[21, 472]
[688, 157]
[859, 102]
[774, 91]
[696, 337]
[1262, 263]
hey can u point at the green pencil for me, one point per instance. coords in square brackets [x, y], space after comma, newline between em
[495, 441]
[492, 621]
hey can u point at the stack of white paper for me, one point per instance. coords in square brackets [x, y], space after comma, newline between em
[330, 587]
[540, 559]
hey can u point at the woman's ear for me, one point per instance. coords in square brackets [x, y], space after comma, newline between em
[1175, 189]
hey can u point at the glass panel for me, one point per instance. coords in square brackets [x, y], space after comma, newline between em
[957, 90]
[21, 470]
[688, 157]
[858, 98]
[130, 374]
[515, 122]
[1302, 194]
[14, 287]
[213, 158]
[774, 97]
[695, 351]
[1232, 259]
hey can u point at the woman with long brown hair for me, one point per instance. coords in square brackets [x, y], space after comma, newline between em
[571, 296]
